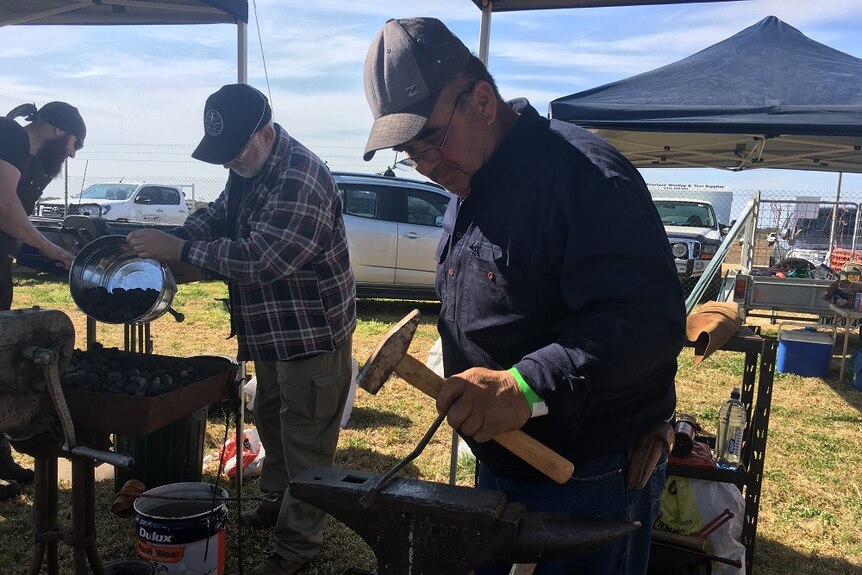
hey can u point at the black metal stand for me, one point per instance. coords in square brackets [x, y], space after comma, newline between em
[757, 380]
[49, 533]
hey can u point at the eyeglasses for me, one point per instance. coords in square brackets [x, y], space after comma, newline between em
[78, 143]
[434, 153]
[244, 150]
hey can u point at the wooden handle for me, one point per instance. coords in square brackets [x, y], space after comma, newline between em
[684, 541]
[528, 449]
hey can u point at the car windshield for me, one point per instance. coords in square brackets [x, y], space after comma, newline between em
[692, 214]
[108, 192]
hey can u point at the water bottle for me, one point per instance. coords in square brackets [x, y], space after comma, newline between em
[728, 435]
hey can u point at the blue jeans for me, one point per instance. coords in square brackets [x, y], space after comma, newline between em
[597, 490]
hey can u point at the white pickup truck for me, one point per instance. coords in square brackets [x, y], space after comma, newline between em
[143, 203]
[694, 234]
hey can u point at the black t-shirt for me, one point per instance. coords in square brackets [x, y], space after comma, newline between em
[14, 143]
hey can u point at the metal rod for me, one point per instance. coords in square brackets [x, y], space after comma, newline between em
[734, 562]
[115, 459]
[834, 219]
[485, 33]
[453, 458]
[717, 522]
[367, 500]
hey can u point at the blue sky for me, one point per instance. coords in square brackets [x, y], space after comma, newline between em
[142, 89]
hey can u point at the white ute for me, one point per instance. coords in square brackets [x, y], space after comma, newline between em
[127, 202]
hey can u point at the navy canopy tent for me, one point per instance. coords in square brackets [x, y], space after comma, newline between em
[96, 12]
[767, 97]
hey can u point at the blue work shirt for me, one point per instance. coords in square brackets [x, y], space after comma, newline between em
[557, 263]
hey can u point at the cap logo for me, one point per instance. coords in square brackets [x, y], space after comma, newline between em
[213, 123]
[413, 90]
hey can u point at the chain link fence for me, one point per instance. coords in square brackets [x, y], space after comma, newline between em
[791, 226]
[154, 200]
[810, 225]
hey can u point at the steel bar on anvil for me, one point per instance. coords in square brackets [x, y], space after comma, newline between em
[423, 528]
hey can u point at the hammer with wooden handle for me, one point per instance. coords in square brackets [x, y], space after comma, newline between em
[391, 355]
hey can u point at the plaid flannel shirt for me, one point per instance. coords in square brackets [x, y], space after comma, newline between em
[286, 262]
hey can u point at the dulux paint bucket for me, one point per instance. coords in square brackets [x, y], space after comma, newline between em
[180, 528]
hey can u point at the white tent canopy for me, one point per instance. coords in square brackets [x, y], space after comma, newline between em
[133, 12]
[490, 6]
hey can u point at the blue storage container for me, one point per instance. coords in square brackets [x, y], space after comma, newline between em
[806, 352]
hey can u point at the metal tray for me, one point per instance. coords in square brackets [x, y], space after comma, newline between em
[133, 415]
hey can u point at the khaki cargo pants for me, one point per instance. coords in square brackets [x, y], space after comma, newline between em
[297, 410]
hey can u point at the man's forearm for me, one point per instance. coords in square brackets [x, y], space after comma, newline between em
[15, 222]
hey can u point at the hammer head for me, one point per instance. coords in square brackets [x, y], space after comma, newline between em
[391, 350]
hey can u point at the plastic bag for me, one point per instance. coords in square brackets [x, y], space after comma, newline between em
[249, 390]
[351, 394]
[688, 505]
[435, 357]
[253, 454]
[700, 456]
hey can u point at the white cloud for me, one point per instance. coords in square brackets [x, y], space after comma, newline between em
[142, 89]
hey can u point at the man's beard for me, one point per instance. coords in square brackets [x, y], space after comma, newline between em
[33, 181]
[53, 154]
[40, 169]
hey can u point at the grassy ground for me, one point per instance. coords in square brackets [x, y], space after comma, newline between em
[811, 503]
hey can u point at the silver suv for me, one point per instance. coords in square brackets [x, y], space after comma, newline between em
[393, 228]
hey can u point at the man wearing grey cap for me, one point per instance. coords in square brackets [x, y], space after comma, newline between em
[277, 237]
[537, 333]
[30, 157]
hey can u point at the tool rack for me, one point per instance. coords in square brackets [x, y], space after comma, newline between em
[757, 379]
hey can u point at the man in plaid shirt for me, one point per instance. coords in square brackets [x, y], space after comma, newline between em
[276, 236]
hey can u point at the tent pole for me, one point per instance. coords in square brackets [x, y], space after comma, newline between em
[485, 31]
[834, 220]
[241, 52]
[65, 188]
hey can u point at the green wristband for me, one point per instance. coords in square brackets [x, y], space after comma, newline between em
[532, 396]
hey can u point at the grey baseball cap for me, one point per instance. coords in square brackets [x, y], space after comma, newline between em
[408, 64]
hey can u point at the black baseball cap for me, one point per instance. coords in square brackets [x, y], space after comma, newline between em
[65, 117]
[407, 66]
[231, 117]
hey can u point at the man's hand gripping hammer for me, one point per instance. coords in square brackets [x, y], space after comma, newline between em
[391, 355]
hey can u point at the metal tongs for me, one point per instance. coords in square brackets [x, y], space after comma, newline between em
[48, 358]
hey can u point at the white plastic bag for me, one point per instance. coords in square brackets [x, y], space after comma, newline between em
[435, 357]
[253, 454]
[689, 505]
[249, 390]
[351, 394]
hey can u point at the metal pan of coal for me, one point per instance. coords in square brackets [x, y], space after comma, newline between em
[114, 391]
[111, 284]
